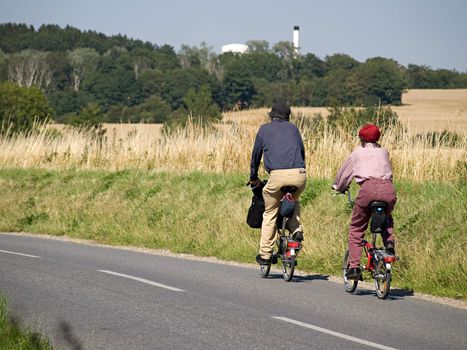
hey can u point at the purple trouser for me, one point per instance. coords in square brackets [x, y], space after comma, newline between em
[371, 190]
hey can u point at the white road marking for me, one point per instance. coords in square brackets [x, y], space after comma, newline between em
[142, 280]
[22, 254]
[336, 334]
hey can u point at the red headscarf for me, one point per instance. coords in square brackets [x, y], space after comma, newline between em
[369, 133]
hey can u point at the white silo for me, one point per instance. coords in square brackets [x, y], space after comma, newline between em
[296, 45]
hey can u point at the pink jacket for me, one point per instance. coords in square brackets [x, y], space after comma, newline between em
[369, 162]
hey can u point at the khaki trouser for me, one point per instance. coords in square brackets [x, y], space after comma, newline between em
[272, 196]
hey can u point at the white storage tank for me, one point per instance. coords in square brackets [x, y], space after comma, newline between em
[235, 48]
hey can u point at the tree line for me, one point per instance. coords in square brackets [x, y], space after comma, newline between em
[85, 75]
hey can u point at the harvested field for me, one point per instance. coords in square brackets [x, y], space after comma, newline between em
[421, 111]
[434, 110]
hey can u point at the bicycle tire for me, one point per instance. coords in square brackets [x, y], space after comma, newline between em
[383, 287]
[264, 270]
[288, 268]
[349, 285]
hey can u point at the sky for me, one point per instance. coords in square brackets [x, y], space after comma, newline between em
[422, 32]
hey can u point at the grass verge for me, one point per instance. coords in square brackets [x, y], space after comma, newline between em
[204, 214]
[14, 337]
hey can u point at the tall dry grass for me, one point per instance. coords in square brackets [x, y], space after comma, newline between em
[226, 147]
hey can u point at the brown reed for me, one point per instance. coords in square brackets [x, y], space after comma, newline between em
[226, 147]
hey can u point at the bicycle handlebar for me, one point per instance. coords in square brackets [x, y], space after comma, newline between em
[349, 196]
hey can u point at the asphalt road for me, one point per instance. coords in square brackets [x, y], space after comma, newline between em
[92, 297]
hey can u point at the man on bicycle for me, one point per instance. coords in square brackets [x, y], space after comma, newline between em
[284, 159]
[369, 164]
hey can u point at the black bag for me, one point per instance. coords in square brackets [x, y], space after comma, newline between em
[379, 220]
[254, 218]
[287, 206]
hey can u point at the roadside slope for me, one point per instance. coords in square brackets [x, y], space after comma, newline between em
[204, 214]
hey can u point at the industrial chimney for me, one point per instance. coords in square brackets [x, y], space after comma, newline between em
[296, 31]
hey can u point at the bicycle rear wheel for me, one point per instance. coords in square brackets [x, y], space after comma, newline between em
[288, 267]
[382, 280]
[350, 285]
[264, 270]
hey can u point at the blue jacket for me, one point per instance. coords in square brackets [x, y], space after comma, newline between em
[282, 145]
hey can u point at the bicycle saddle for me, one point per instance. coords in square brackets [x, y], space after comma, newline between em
[377, 204]
[288, 189]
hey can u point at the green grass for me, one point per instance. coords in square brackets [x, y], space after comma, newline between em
[204, 214]
[14, 337]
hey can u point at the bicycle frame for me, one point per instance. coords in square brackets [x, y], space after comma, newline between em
[372, 254]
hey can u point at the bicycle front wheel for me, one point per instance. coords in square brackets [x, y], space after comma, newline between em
[382, 282]
[288, 267]
[350, 285]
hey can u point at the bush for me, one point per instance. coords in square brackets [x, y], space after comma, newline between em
[199, 107]
[352, 119]
[89, 120]
[444, 138]
[21, 108]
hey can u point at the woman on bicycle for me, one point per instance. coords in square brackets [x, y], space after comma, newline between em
[370, 166]
[280, 145]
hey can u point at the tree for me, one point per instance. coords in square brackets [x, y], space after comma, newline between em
[237, 87]
[21, 107]
[334, 88]
[260, 65]
[152, 110]
[166, 58]
[200, 104]
[177, 82]
[83, 62]
[16, 37]
[89, 117]
[258, 46]
[113, 82]
[66, 102]
[340, 61]
[61, 72]
[310, 66]
[286, 52]
[150, 82]
[383, 80]
[3, 66]
[30, 67]
[419, 77]
[142, 60]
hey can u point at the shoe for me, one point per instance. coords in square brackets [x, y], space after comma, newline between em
[353, 273]
[298, 236]
[390, 247]
[262, 261]
[274, 258]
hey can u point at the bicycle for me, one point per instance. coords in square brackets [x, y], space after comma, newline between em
[379, 262]
[287, 247]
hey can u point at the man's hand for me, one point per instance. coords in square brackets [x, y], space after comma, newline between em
[255, 183]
